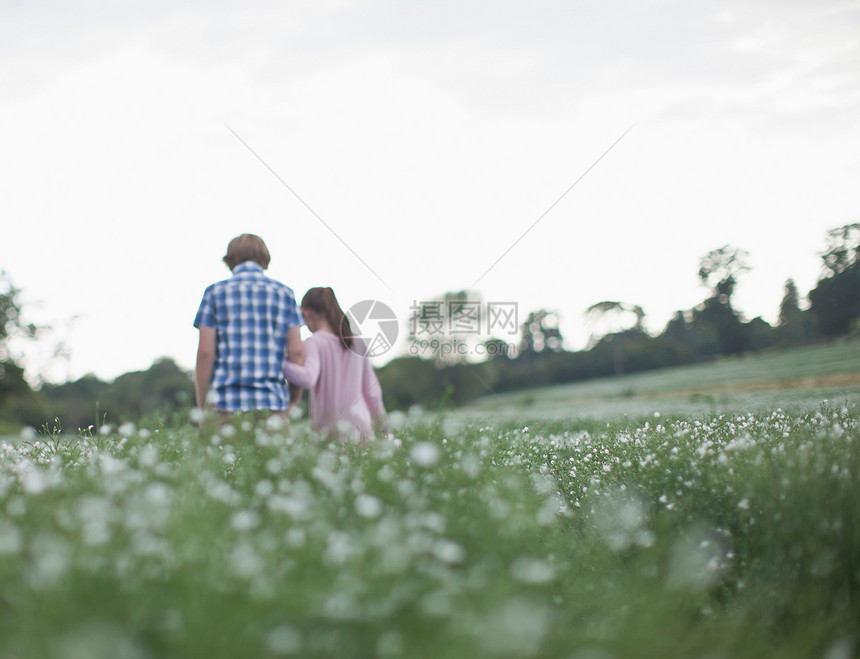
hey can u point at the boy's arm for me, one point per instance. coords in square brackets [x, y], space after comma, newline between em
[295, 395]
[205, 364]
[295, 347]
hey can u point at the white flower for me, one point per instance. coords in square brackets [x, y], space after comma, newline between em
[11, 539]
[284, 639]
[425, 454]
[295, 538]
[148, 456]
[623, 520]
[340, 548]
[50, 560]
[33, 481]
[697, 559]
[449, 552]
[526, 569]
[328, 478]
[515, 629]
[396, 419]
[95, 515]
[367, 505]
[470, 465]
[264, 488]
[126, 429]
[245, 520]
[246, 562]
[542, 483]
[390, 643]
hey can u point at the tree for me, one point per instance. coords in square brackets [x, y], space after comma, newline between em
[540, 333]
[835, 301]
[843, 249]
[718, 327]
[495, 348]
[12, 324]
[719, 270]
[791, 318]
[612, 312]
[80, 403]
[162, 390]
[19, 404]
[789, 308]
[679, 328]
[680, 339]
[759, 334]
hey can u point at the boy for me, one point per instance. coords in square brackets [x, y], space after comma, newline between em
[248, 325]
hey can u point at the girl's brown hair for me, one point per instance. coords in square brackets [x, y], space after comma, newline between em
[322, 301]
[247, 247]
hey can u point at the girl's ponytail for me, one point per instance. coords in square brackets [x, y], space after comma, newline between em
[323, 301]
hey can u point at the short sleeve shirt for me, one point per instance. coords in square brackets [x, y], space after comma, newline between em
[251, 314]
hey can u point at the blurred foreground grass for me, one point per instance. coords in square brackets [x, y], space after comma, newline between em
[715, 535]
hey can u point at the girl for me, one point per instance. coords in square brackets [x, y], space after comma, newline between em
[345, 396]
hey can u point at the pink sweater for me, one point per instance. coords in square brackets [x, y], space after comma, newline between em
[344, 391]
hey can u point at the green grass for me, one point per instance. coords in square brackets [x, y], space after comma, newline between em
[797, 378]
[732, 535]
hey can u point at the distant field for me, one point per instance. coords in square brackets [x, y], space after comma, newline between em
[796, 378]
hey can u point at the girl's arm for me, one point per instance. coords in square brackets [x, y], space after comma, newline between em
[372, 392]
[307, 374]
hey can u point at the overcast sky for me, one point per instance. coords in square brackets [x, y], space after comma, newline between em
[428, 137]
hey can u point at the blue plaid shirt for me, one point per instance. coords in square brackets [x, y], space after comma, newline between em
[251, 314]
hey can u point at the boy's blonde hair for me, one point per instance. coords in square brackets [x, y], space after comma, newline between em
[247, 247]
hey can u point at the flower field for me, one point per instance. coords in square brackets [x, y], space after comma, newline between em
[716, 536]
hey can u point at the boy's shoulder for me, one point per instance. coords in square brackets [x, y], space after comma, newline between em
[250, 276]
[220, 284]
[277, 283]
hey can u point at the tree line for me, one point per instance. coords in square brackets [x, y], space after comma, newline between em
[712, 328]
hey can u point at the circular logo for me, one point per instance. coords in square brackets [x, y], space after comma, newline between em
[375, 325]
